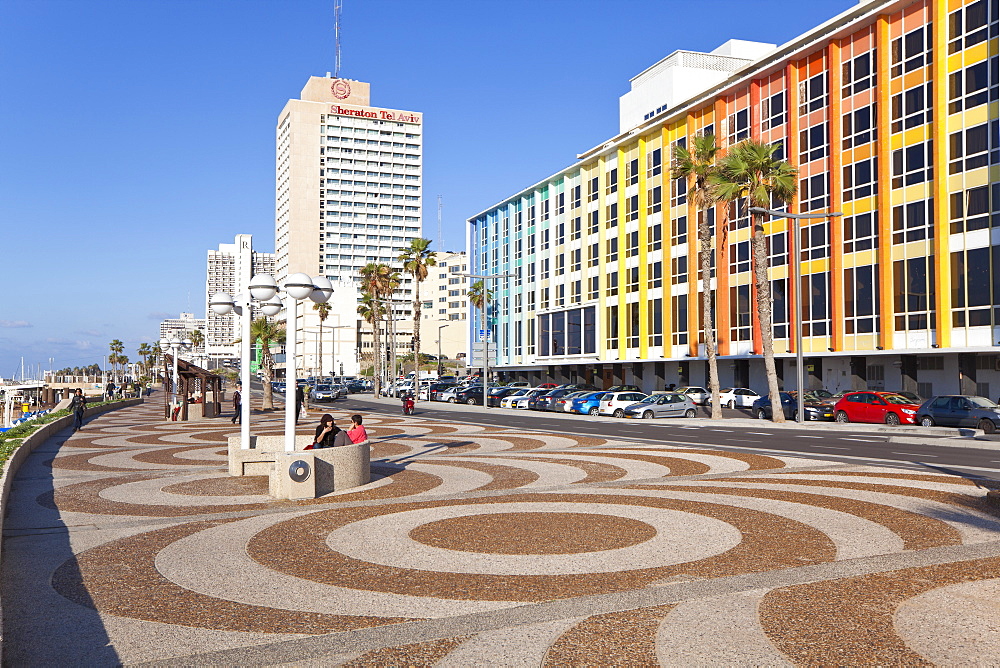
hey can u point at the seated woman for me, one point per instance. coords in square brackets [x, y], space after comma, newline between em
[357, 432]
[329, 435]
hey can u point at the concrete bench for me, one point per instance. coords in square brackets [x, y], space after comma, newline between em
[336, 469]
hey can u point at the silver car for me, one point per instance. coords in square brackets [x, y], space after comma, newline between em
[699, 395]
[670, 404]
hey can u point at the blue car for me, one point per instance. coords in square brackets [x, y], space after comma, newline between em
[587, 404]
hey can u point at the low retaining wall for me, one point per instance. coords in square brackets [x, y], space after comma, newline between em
[337, 468]
[30, 443]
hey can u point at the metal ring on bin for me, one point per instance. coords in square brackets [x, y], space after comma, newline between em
[299, 471]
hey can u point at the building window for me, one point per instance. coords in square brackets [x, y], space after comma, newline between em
[861, 179]
[911, 51]
[594, 287]
[812, 143]
[654, 237]
[859, 127]
[913, 285]
[779, 308]
[814, 193]
[912, 107]
[560, 265]
[594, 189]
[632, 277]
[974, 147]
[612, 284]
[861, 300]
[611, 341]
[975, 209]
[560, 294]
[858, 74]
[560, 234]
[772, 111]
[632, 172]
[971, 279]
[612, 181]
[815, 304]
[812, 94]
[860, 232]
[632, 244]
[611, 246]
[632, 208]
[739, 214]
[678, 230]
[912, 164]
[632, 324]
[971, 25]
[575, 228]
[814, 241]
[740, 317]
[655, 275]
[678, 270]
[777, 249]
[574, 201]
[973, 86]
[611, 215]
[654, 322]
[913, 221]
[561, 203]
[739, 257]
[678, 192]
[576, 259]
[545, 269]
[679, 319]
[654, 162]
[653, 198]
[739, 126]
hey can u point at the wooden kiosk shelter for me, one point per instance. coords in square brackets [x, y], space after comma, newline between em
[199, 392]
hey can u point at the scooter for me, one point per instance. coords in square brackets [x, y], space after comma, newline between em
[408, 404]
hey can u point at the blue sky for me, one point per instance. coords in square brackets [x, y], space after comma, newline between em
[137, 134]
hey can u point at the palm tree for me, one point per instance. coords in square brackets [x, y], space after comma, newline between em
[266, 333]
[697, 166]
[416, 259]
[197, 338]
[380, 281]
[371, 309]
[324, 312]
[750, 170]
[480, 298]
[144, 351]
[116, 347]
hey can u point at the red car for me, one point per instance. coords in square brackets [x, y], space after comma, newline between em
[547, 386]
[881, 407]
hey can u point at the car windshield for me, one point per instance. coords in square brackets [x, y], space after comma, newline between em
[649, 400]
[322, 387]
[822, 394]
[896, 399]
[727, 390]
[981, 402]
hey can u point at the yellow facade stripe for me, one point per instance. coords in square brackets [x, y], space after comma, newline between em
[942, 256]
[886, 289]
[666, 238]
[622, 303]
[692, 243]
[643, 252]
[602, 282]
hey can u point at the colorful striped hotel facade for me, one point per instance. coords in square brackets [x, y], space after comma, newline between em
[889, 111]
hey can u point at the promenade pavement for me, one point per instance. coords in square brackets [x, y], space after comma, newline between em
[128, 543]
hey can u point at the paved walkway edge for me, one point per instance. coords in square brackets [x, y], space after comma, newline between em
[29, 445]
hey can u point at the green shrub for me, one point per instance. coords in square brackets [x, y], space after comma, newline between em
[7, 447]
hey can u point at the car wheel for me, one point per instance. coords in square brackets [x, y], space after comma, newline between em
[928, 421]
[595, 411]
[648, 415]
[689, 413]
[891, 419]
[470, 401]
[731, 404]
[987, 426]
[841, 417]
[619, 413]
[451, 400]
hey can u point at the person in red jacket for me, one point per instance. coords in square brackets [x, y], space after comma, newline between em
[357, 432]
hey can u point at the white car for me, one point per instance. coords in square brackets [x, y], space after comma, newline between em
[448, 395]
[699, 395]
[733, 397]
[615, 403]
[508, 401]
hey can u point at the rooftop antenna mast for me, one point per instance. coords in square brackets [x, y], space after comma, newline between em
[336, 36]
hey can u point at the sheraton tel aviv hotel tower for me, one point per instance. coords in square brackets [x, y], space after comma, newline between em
[889, 113]
[348, 192]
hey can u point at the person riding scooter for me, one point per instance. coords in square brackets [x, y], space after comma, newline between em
[407, 404]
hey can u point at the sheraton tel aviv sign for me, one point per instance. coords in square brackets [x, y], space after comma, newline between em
[379, 114]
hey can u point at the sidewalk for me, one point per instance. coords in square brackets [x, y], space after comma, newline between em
[128, 543]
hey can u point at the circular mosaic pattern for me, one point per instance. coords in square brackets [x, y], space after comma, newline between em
[533, 533]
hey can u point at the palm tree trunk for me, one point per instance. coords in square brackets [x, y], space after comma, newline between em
[320, 365]
[268, 365]
[706, 304]
[416, 333]
[377, 366]
[764, 315]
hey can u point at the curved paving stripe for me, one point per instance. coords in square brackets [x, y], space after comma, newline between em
[549, 473]
[81, 462]
[519, 646]
[978, 504]
[754, 462]
[953, 625]
[225, 485]
[917, 477]
[916, 531]
[169, 456]
[596, 471]
[676, 465]
[504, 477]
[314, 560]
[383, 449]
[416, 655]
[120, 578]
[852, 619]
[613, 639]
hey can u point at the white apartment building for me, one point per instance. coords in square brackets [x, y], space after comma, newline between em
[229, 270]
[348, 188]
[181, 327]
[445, 305]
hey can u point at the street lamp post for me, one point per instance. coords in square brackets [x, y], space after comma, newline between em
[796, 265]
[486, 329]
[441, 368]
[174, 345]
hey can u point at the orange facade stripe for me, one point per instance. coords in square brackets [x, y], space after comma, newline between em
[836, 200]
[884, 56]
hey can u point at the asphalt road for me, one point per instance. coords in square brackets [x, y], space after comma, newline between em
[812, 440]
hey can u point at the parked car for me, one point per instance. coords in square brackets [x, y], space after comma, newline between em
[912, 396]
[588, 403]
[667, 404]
[577, 386]
[699, 395]
[357, 386]
[323, 392]
[731, 397]
[497, 394]
[814, 410]
[543, 402]
[565, 403]
[887, 407]
[448, 394]
[518, 383]
[471, 395]
[615, 403]
[521, 400]
[623, 388]
[508, 401]
[548, 386]
[958, 410]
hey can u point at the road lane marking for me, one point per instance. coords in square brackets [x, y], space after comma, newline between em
[863, 440]
[910, 454]
[803, 436]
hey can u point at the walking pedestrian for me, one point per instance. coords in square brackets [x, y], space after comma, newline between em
[299, 398]
[78, 405]
[237, 405]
